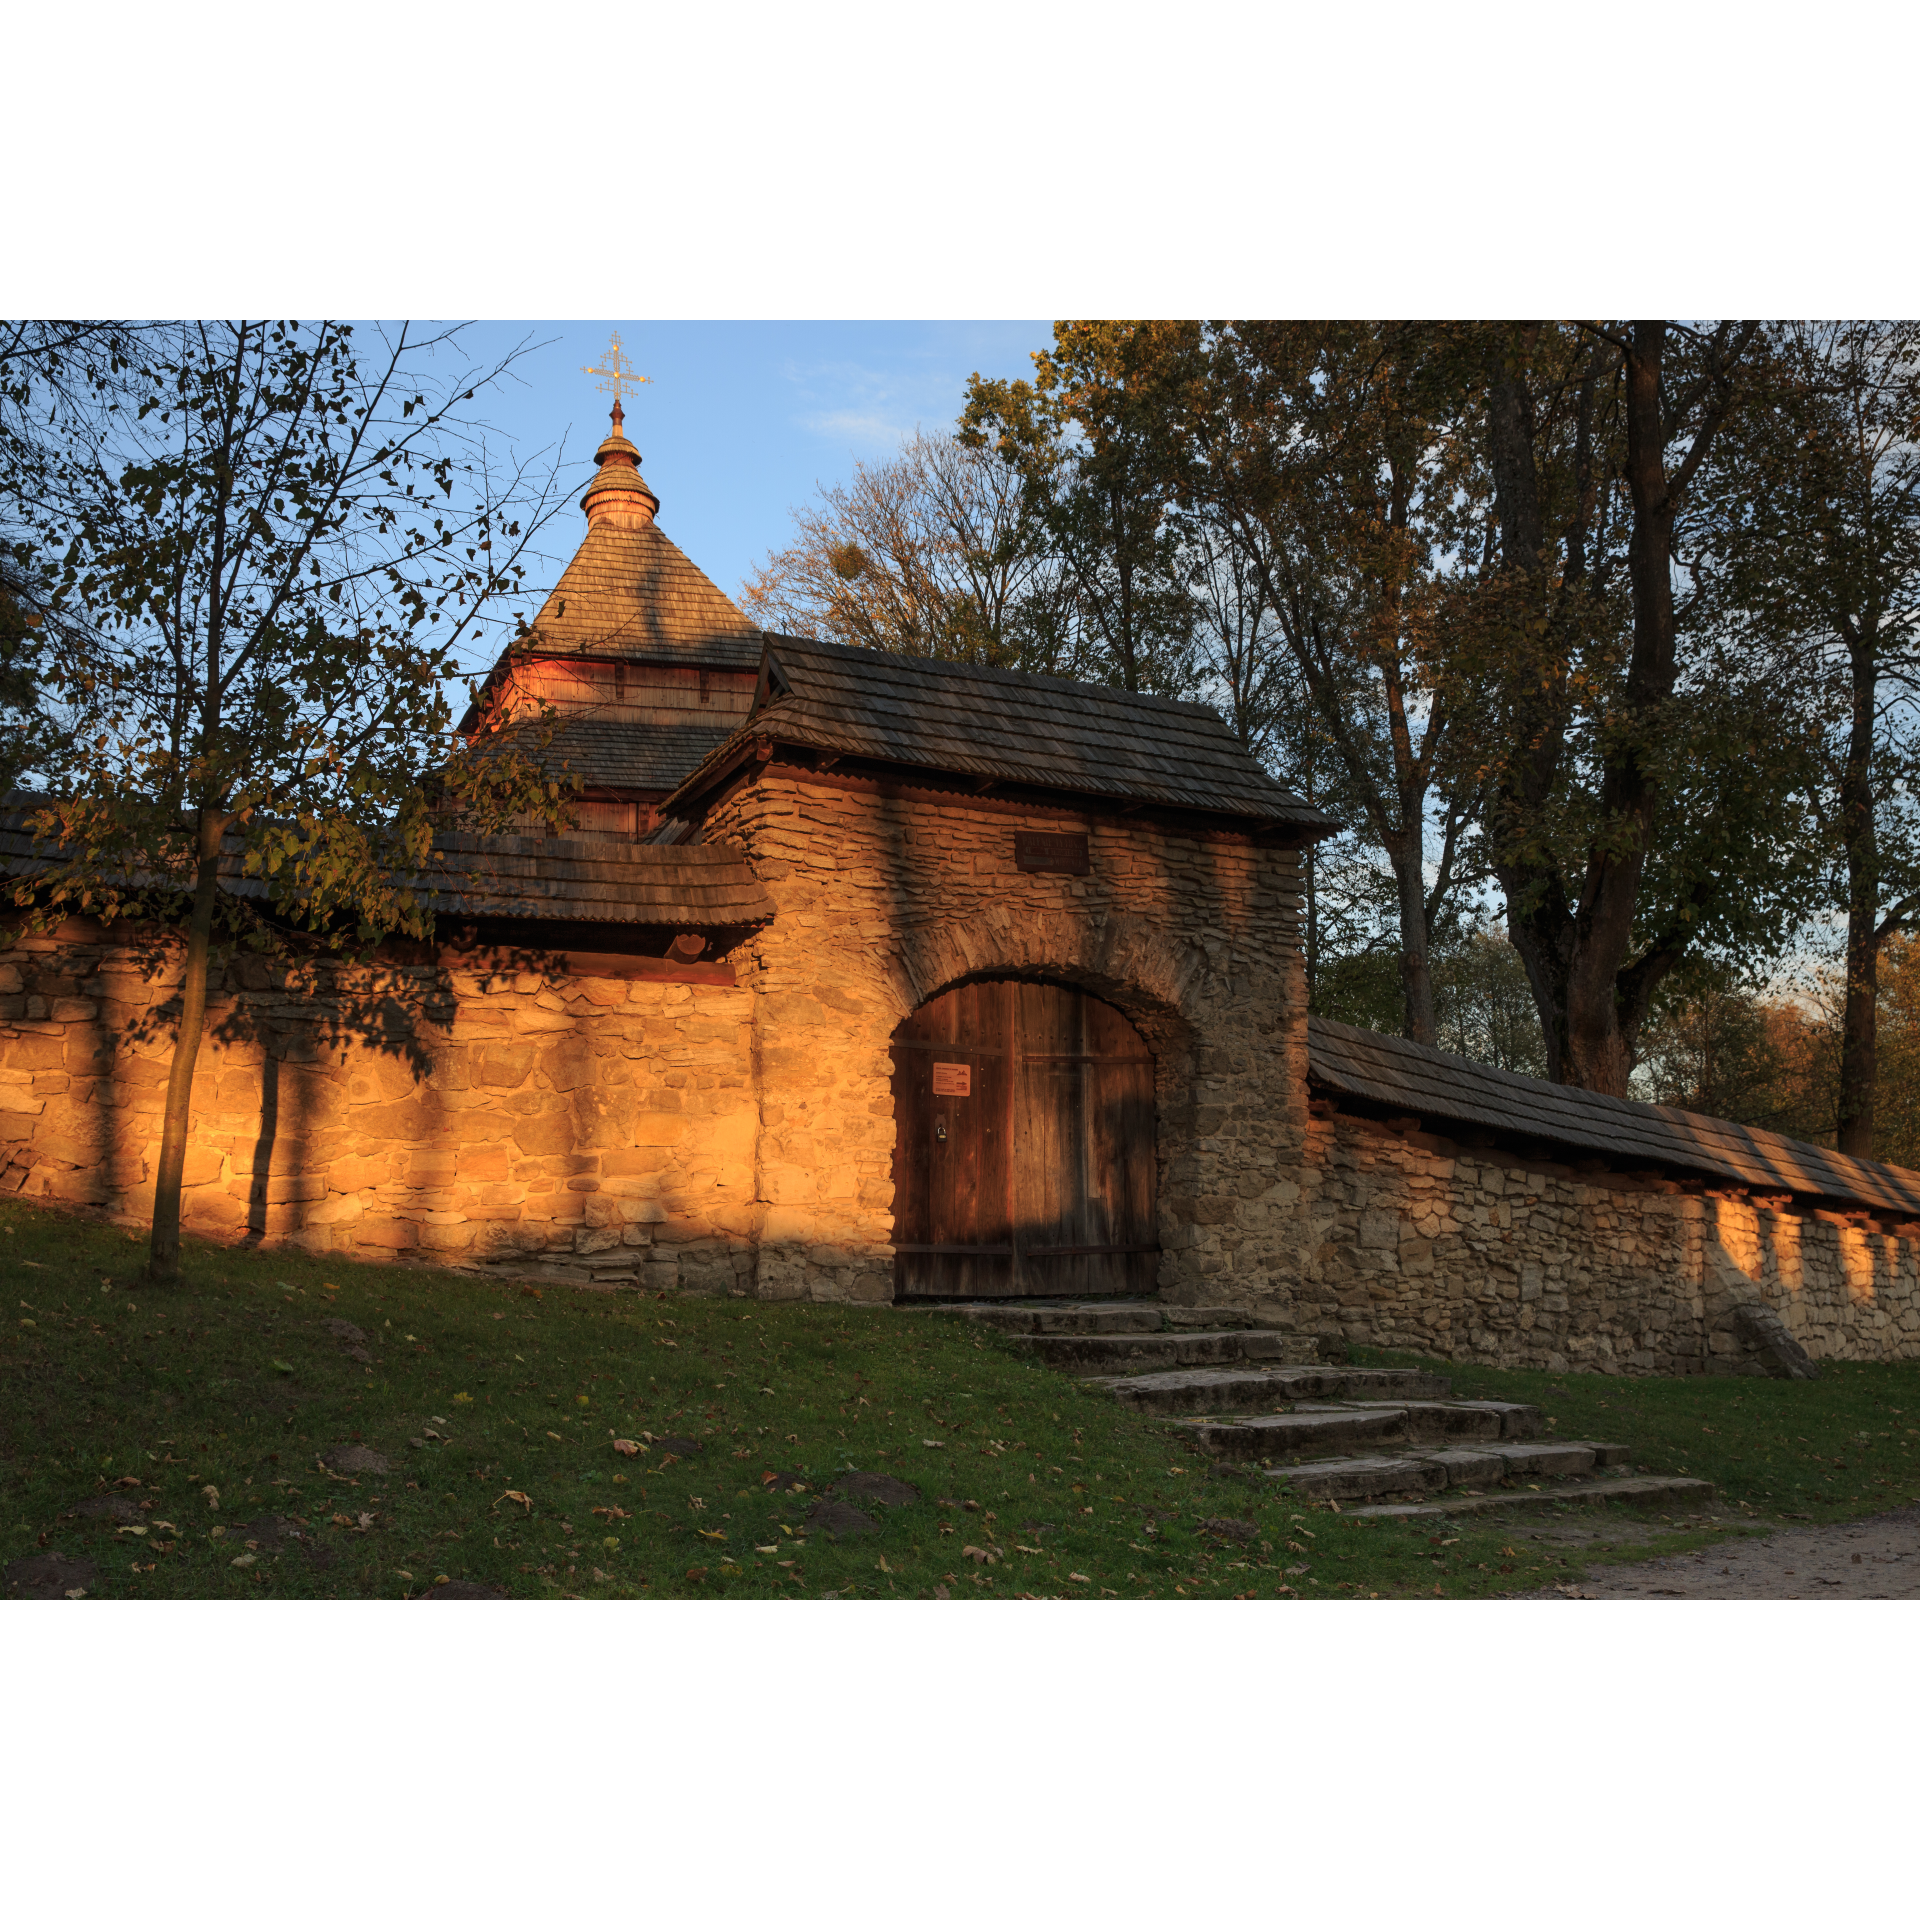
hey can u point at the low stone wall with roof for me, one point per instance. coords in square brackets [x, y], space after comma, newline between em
[1415, 1242]
[592, 1125]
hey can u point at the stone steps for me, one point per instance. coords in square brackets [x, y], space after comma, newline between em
[1391, 1441]
[1132, 1315]
[1105, 1353]
[1302, 1430]
[1443, 1469]
[1627, 1490]
[1208, 1389]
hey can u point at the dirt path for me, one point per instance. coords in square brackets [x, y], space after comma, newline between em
[1876, 1559]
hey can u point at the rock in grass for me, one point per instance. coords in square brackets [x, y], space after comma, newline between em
[357, 1460]
[110, 1506]
[837, 1518]
[882, 1488]
[47, 1576]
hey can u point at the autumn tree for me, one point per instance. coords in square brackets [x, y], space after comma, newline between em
[61, 384]
[1338, 461]
[936, 551]
[1812, 565]
[278, 553]
[1091, 439]
[1640, 785]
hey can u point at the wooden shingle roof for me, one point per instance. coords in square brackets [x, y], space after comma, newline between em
[1405, 1077]
[1023, 729]
[630, 594]
[511, 876]
[630, 753]
[596, 880]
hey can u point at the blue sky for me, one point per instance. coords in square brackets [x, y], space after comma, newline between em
[741, 420]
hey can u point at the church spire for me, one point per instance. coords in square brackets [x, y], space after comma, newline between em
[617, 493]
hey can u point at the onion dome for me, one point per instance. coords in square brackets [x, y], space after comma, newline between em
[617, 492]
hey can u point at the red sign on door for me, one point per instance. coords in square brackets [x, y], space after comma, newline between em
[951, 1078]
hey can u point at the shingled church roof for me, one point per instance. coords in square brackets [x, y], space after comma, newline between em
[630, 594]
[619, 753]
[1403, 1076]
[1021, 729]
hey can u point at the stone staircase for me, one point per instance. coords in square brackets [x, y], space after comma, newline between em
[1390, 1440]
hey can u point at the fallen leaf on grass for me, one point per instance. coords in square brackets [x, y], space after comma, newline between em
[984, 1555]
[513, 1494]
[933, 1443]
[551, 1435]
[1081, 1577]
[243, 1559]
[613, 1513]
[280, 1366]
[212, 1493]
[137, 1530]
[626, 1447]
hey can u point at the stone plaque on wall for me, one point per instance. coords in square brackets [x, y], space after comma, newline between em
[1050, 852]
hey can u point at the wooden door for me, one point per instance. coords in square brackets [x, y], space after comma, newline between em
[1023, 1158]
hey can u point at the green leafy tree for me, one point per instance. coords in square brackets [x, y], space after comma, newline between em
[1812, 564]
[1642, 779]
[278, 554]
[1337, 459]
[1092, 439]
[62, 383]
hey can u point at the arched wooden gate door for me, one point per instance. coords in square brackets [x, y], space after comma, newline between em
[1023, 1157]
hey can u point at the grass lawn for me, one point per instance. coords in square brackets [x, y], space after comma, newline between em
[205, 1410]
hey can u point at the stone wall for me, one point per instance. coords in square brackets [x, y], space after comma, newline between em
[710, 1136]
[884, 899]
[599, 1124]
[1418, 1243]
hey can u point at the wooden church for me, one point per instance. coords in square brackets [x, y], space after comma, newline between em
[864, 977]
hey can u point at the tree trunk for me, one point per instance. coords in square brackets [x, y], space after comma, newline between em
[163, 1255]
[1405, 853]
[1860, 1019]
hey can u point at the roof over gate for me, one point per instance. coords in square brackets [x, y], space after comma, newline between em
[1021, 729]
[510, 876]
[1408, 1078]
[596, 880]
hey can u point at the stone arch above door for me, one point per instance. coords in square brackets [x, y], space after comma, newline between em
[1143, 970]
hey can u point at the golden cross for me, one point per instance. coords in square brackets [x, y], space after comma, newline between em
[617, 373]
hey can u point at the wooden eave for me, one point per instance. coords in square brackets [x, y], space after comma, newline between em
[752, 754]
